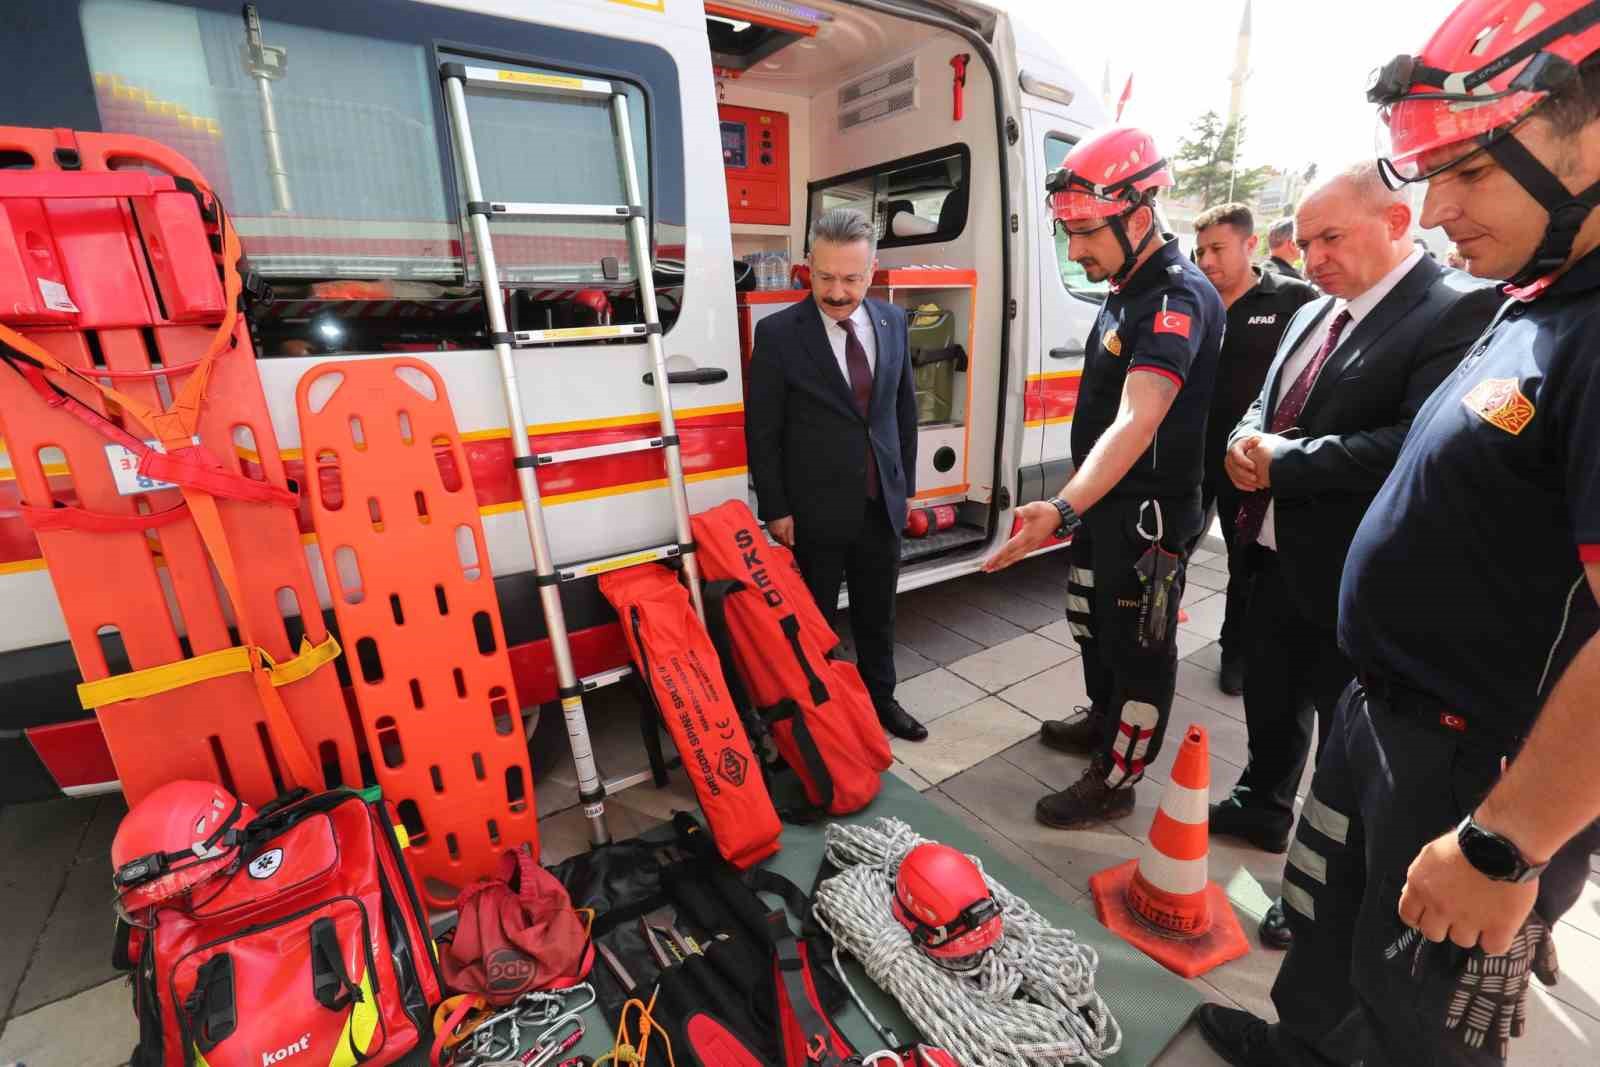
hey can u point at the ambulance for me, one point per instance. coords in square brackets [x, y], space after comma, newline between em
[325, 129]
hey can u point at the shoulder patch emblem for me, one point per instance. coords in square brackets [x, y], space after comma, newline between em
[1499, 402]
[1112, 343]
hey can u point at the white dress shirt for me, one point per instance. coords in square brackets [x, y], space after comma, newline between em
[1359, 309]
[862, 321]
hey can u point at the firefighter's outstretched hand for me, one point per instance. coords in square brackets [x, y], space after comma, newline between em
[782, 530]
[1039, 522]
[1446, 897]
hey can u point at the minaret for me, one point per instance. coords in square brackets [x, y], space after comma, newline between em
[1241, 67]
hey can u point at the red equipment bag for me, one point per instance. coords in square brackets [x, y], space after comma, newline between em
[517, 932]
[679, 666]
[817, 707]
[315, 945]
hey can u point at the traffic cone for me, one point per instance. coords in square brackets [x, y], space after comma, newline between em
[1162, 903]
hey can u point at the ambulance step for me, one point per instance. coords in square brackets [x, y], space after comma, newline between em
[590, 568]
[496, 209]
[605, 678]
[573, 334]
[959, 536]
[513, 81]
[618, 448]
[627, 781]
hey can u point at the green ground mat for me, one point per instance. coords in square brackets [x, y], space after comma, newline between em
[1150, 1003]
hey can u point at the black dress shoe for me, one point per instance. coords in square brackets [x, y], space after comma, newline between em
[1237, 1036]
[898, 721]
[1231, 678]
[1274, 929]
[1265, 830]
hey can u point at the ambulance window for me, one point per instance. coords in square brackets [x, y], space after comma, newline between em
[1073, 277]
[330, 150]
[920, 199]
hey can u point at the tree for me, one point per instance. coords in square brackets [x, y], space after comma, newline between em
[1205, 163]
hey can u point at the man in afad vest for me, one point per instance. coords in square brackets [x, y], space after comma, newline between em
[1138, 443]
[1458, 783]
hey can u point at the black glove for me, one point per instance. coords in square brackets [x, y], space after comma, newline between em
[1489, 1005]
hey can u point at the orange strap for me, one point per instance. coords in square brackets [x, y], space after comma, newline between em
[175, 429]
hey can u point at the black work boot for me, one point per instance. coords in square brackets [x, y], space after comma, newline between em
[1088, 800]
[1246, 1041]
[1267, 830]
[1080, 735]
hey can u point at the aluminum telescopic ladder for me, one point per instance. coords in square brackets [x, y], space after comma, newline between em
[458, 79]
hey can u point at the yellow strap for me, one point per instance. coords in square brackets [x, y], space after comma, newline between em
[225, 661]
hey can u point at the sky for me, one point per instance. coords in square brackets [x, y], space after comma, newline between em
[1304, 100]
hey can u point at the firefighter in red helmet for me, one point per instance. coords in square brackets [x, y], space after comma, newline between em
[1138, 442]
[1452, 811]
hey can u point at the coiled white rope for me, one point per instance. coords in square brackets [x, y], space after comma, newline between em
[1032, 1002]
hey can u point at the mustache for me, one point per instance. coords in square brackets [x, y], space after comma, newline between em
[837, 303]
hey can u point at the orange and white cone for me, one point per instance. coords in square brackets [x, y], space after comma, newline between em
[1163, 903]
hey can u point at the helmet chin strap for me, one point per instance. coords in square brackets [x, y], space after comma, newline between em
[1567, 211]
[1129, 252]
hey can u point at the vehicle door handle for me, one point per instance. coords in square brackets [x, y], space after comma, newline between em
[1066, 353]
[699, 376]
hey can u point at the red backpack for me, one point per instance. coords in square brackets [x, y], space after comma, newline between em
[767, 625]
[314, 945]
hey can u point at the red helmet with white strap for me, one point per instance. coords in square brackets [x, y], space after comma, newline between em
[178, 836]
[1110, 175]
[1480, 75]
[941, 897]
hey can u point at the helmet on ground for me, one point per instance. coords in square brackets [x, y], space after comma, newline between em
[178, 836]
[941, 898]
[1480, 75]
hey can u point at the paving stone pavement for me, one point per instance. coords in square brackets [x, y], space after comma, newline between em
[982, 661]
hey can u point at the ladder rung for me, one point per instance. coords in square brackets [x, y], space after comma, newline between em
[604, 678]
[627, 781]
[638, 444]
[520, 210]
[578, 333]
[516, 80]
[590, 568]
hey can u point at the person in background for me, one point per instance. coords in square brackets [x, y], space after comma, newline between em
[1281, 247]
[831, 424]
[1458, 783]
[1260, 304]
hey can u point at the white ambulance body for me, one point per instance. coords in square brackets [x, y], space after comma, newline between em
[750, 117]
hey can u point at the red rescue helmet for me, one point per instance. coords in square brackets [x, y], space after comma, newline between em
[1110, 175]
[1479, 76]
[178, 836]
[940, 896]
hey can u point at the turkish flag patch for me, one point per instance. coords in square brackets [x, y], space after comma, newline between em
[1172, 322]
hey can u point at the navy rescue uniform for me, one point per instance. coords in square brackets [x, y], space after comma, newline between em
[1463, 601]
[1165, 319]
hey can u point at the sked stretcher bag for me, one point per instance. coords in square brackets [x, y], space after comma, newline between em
[680, 668]
[817, 707]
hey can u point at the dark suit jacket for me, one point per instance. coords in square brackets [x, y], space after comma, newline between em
[808, 443]
[1357, 416]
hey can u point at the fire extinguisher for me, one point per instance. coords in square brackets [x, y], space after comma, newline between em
[923, 521]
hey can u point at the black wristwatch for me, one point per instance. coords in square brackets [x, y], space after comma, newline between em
[1069, 518]
[1494, 856]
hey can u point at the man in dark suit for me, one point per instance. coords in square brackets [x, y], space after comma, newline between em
[1351, 372]
[831, 421]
